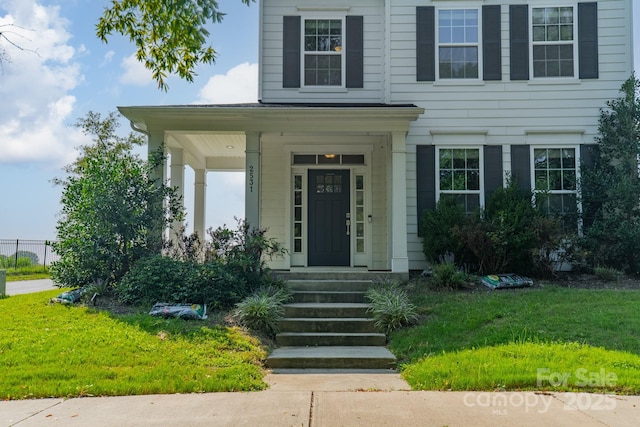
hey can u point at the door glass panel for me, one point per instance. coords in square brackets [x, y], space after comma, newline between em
[359, 217]
[297, 213]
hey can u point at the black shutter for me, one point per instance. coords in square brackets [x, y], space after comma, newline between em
[355, 52]
[521, 166]
[588, 40]
[491, 43]
[492, 169]
[426, 180]
[519, 41]
[588, 154]
[425, 44]
[291, 42]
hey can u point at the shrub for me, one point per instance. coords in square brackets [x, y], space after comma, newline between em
[262, 310]
[390, 307]
[447, 276]
[436, 231]
[607, 274]
[160, 279]
[512, 234]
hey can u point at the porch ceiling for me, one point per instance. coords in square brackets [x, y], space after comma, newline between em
[215, 151]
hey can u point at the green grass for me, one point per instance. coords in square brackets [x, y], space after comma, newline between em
[53, 350]
[27, 273]
[499, 340]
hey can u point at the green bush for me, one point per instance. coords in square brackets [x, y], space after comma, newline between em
[160, 279]
[436, 231]
[607, 274]
[262, 310]
[11, 262]
[512, 234]
[390, 307]
[447, 276]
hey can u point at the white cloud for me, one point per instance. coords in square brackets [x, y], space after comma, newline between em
[35, 86]
[107, 58]
[239, 85]
[135, 72]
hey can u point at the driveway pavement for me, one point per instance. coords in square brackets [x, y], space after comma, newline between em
[29, 286]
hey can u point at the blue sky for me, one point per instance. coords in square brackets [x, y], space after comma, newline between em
[72, 72]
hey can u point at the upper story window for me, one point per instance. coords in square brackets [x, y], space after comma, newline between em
[459, 176]
[458, 43]
[323, 52]
[553, 35]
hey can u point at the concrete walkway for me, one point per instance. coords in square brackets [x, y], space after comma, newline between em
[29, 286]
[330, 399]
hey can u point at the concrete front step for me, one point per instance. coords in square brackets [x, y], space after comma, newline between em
[328, 296]
[310, 339]
[330, 285]
[328, 324]
[333, 357]
[306, 309]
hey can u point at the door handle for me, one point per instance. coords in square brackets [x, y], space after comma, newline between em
[348, 223]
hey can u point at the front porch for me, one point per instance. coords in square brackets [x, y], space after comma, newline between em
[297, 160]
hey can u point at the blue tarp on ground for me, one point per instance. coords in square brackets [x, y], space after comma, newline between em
[501, 281]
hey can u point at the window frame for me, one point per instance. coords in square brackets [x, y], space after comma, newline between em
[303, 53]
[481, 188]
[574, 41]
[477, 44]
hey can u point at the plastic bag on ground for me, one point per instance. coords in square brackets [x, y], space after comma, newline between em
[69, 297]
[501, 281]
[181, 311]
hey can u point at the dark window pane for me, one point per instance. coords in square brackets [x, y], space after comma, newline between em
[568, 158]
[473, 180]
[554, 158]
[353, 159]
[568, 180]
[459, 180]
[555, 179]
[541, 181]
[304, 159]
[298, 198]
[297, 214]
[297, 245]
[446, 180]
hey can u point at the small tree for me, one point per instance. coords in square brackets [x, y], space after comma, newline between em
[611, 186]
[111, 207]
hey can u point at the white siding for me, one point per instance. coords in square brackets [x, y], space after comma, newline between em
[271, 46]
[507, 111]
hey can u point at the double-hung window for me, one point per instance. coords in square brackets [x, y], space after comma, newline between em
[459, 176]
[458, 43]
[323, 52]
[555, 173]
[553, 32]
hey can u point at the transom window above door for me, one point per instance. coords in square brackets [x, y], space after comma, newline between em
[458, 43]
[323, 52]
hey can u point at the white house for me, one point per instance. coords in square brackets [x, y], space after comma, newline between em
[371, 110]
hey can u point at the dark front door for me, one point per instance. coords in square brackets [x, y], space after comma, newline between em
[328, 210]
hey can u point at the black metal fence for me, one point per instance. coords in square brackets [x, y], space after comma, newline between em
[16, 253]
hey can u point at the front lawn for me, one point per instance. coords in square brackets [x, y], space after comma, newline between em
[53, 350]
[550, 338]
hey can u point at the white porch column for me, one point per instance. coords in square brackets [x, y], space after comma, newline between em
[155, 146]
[399, 256]
[200, 202]
[252, 180]
[177, 181]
